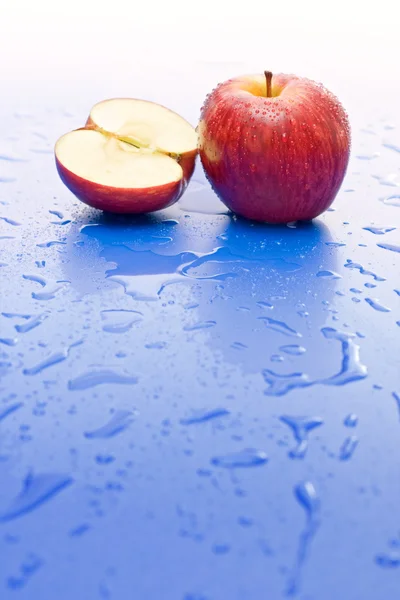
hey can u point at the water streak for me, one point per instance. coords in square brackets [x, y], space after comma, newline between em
[397, 400]
[379, 230]
[52, 360]
[120, 327]
[99, 377]
[249, 457]
[293, 349]
[36, 490]
[9, 341]
[10, 409]
[307, 497]
[393, 200]
[348, 447]
[32, 323]
[56, 213]
[391, 147]
[351, 368]
[352, 265]
[120, 420]
[51, 243]
[200, 325]
[10, 221]
[376, 305]
[329, 275]
[391, 247]
[202, 416]
[279, 326]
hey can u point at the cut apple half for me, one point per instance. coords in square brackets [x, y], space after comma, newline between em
[133, 156]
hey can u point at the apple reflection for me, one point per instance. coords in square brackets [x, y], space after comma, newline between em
[275, 293]
[264, 292]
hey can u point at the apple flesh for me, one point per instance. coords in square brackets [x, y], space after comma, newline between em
[274, 148]
[132, 157]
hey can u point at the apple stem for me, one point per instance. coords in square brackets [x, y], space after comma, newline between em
[268, 77]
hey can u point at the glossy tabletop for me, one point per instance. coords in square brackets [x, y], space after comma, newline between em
[194, 406]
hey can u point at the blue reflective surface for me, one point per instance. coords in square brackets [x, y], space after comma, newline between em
[192, 406]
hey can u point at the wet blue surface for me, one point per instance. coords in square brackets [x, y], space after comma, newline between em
[195, 407]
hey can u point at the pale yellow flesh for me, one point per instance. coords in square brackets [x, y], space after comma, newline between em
[107, 161]
[149, 124]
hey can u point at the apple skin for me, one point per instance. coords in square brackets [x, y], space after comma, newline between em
[121, 200]
[277, 159]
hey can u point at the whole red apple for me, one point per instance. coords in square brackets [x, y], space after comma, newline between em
[274, 148]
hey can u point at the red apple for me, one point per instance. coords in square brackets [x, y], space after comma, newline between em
[274, 148]
[132, 156]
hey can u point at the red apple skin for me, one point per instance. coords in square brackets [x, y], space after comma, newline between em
[121, 200]
[277, 159]
[187, 162]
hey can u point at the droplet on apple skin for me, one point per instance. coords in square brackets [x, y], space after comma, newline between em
[285, 162]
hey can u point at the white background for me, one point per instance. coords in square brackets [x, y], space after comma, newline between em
[95, 37]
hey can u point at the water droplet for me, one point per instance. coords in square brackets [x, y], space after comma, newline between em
[99, 377]
[203, 416]
[351, 420]
[263, 304]
[36, 490]
[390, 247]
[351, 370]
[389, 560]
[156, 345]
[104, 459]
[300, 426]
[279, 326]
[392, 200]
[352, 265]
[79, 530]
[221, 548]
[10, 221]
[9, 341]
[329, 274]
[33, 322]
[368, 156]
[113, 316]
[293, 349]
[248, 457]
[379, 230]
[51, 243]
[348, 447]
[120, 420]
[391, 147]
[50, 287]
[56, 213]
[397, 397]
[200, 325]
[376, 305]
[11, 158]
[52, 360]
[9, 410]
[28, 567]
[238, 346]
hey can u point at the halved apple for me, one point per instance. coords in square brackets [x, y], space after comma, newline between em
[133, 156]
